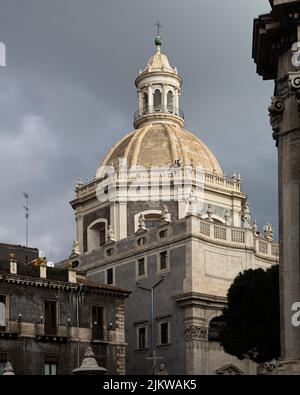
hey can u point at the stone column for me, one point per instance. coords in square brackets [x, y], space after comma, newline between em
[140, 97]
[122, 215]
[165, 96]
[79, 230]
[114, 212]
[150, 97]
[288, 142]
[274, 37]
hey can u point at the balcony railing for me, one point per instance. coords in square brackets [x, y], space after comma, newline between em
[11, 329]
[98, 334]
[159, 110]
[58, 333]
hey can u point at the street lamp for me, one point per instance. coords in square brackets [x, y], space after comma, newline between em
[151, 290]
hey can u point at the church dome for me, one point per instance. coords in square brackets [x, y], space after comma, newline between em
[159, 62]
[162, 144]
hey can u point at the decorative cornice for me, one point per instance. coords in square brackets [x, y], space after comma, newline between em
[19, 280]
[273, 35]
[194, 332]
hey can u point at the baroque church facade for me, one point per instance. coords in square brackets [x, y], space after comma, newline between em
[163, 221]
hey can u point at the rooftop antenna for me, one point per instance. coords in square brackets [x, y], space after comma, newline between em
[26, 208]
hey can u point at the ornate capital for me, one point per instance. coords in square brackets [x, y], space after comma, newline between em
[294, 82]
[276, 114]
[194, 332]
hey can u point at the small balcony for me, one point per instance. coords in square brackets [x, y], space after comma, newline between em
[11, 330]
[99, 334]
[58, 334]
[150, 113]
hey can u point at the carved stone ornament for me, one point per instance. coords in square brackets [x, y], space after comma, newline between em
[165, 216]
[111, 234]
[294, 81]
[268, 368]
[194, 332]
[8, 370]
[269, 232]
[276, 113]
[141, 221]
[162, 370]
[75, 248]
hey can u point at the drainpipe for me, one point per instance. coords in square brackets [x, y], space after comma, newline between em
[77, 322]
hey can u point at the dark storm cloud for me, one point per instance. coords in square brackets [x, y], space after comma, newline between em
[67, 94]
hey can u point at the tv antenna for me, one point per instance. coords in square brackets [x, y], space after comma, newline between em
[26, 208]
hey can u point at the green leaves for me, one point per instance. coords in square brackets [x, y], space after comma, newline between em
[252, 317]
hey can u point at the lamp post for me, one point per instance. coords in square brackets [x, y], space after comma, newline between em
[151, 290]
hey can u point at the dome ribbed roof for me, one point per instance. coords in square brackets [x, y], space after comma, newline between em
[159, 62]
[162, 144]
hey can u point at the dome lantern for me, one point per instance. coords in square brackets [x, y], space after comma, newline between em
[159, 87]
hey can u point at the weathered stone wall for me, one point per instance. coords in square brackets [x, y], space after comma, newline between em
[138, 309]
[27, 352]
[103, 212]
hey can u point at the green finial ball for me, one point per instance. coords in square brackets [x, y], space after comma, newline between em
[158, 41]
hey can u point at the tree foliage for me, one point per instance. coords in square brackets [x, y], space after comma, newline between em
[252, 317]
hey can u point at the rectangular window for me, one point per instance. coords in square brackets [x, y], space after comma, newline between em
[110, 252]
[110, 276]
[164, 333]
[163, 234]
[50, 366]
[142, 343]
[163, 261]
[2, 313]
[98, 322]
[141, 267]
[50, 318]
[3, 360]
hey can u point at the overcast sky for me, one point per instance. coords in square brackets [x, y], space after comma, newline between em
[67, 94]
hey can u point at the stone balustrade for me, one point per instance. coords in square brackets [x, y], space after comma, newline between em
[238, 237]
[169, 173]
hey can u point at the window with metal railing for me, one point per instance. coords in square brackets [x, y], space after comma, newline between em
[98, 323]
[50, 317]
[2, 313]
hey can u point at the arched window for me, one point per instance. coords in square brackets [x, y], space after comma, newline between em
[145, 102]
[151, 219]
[2, 312]
[170, 101]
[157, 100]
[96, 235]
[215, 329]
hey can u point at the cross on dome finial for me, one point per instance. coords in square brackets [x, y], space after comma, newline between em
[158, 41]
[158, 25]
